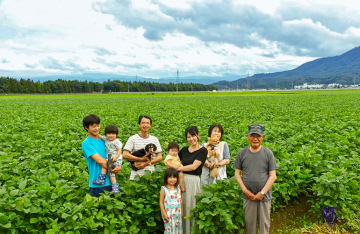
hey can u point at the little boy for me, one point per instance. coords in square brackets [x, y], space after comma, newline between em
[173, 160]
[113, 147]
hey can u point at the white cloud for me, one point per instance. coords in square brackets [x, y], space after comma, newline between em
[155, 38]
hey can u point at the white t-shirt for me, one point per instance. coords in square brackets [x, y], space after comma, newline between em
[136, 142]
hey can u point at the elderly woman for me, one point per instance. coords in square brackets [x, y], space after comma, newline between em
[192, 158]
[216, 130]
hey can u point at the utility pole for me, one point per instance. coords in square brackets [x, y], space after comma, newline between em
[177, 81]
[292, 83]
[248, 81]
[128, 87]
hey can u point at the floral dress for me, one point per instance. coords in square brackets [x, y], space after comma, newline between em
[172, 205]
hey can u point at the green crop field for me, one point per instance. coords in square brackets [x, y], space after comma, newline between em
[315, 137]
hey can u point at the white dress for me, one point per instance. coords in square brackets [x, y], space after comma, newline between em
[172, 205]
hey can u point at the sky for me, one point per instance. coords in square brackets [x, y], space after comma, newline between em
[155, 38]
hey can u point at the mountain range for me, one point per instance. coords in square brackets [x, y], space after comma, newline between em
[101, 77]
[341, 69]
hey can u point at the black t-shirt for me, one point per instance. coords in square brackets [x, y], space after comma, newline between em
[188, 158]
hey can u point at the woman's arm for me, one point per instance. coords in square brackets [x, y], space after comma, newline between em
[222, 163]
[190, 167]
[169, 164]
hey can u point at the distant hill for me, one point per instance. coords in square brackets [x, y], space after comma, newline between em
[101, 77]
[338, 69]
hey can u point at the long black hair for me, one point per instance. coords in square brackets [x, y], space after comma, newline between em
[171, 172]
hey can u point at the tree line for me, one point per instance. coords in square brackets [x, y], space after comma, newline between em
[11, 85]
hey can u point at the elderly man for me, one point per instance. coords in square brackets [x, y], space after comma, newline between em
[258, 167]
[139, 141]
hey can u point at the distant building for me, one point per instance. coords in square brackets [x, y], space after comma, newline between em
[334, 85]
[307, 86]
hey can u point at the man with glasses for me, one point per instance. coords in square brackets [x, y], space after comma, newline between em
[258, 167]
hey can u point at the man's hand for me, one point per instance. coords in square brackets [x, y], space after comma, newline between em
[117, 169]
[249, 194]
[141, 165]
[258, 197]
[114, 159]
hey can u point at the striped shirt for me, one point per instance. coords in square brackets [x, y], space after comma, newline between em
[136, 142]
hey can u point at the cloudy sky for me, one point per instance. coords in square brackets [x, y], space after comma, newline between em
[154, 38]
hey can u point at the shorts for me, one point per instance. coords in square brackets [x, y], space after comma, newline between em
[95, 192]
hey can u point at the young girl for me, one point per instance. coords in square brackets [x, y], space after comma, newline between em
[113, 146]
[171, 205]
[173, 160]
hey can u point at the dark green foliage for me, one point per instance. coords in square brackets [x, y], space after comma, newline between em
[315, 138]
[219, 209]
[11, 85]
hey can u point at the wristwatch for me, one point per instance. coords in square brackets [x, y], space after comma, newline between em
[262, 193]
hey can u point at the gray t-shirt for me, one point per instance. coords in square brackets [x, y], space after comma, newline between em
[111, 146]
[256, 168]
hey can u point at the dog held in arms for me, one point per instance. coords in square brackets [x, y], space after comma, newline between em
[149, 150]
[215, 158]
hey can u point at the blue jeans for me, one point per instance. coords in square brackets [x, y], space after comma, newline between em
[95, 192]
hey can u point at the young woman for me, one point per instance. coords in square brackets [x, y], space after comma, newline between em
[216, 130]
[192, 158]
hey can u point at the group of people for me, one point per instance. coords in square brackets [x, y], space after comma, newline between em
[188, 170]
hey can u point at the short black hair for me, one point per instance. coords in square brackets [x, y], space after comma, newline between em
[90, 120]
[171, 172]
[111, 129]
[173, 145]
[211, 128]
[192, 130]
[146, 117]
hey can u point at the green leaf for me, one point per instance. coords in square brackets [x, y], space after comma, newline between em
[34, 220]
[15, 192]
[22, 184]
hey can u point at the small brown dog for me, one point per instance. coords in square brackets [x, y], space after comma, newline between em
[149, 149]
[213, 141]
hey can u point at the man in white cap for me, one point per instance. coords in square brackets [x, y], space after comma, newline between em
[258, 167]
